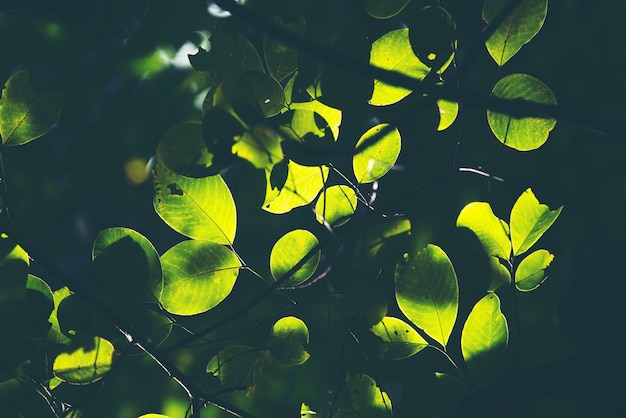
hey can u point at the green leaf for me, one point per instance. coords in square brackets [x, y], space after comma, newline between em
[226, 57]
[288, 251]
[531, 270]
[400, 340]
[492, 232]
[39, 305]
[182, 150]
[286, 344]
[307, 412]
[85, 363]
[281, 60]
[335, 205]
[233, 366]
[522, 134]
[127, 264]
[55, 335]
[448, 111]
[14, 264]
[367, 399]
[433, 37]
[393, 52]
[499, 274]
[381, 243]
[484, 339]
[197, 275]
[197, 208]
[256, 89]
[529, 221]
[153, 326]
[302, 186]
[427, 291]
[331, 115]
[260, 146]
[375, 158]
[520, 26]
[24, 116]
[384, 9]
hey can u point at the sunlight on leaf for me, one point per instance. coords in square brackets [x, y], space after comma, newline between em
[24, 116]
[335, 205]
[384, 9]
[427, 291]
[302, 186]
[491, 231]
[288, 251]
[55, 335]
[375, 158]
[289, 337]
[197, 276]
[522, 134]
[14, 264]
[153, 416]
[516, 30]
[531, 270]
[86, 363]
[484, 339]
[197, 208]
[233, 366]
[306, 411]
[260, 146]
[400, 340]
[448, 111]
[499, 274]
[393, 52]
[529, 221]
[367, 399]
[331, 115]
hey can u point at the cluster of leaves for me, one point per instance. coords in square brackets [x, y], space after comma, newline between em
[275, 114]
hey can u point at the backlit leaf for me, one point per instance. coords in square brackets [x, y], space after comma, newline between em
[529, 221]
[376, 155]
[232, 365]
[400, 340]
[427, 291]
[302, 186]
[198, 208]
[516, 30]
[531, 270]
[55, 335]
[393, 52]
[499, 274]
[85, 363]
[522, 134]
[335, 205]
[24, 116]
[484, 339]
[331, 115]
[367, 399]
[491, 231]
[288, 251]
[260, 146]
[14, 264]
[288, 339]
[197, 275]
[448, 111]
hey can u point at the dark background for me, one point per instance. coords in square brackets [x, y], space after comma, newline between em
[120, 98]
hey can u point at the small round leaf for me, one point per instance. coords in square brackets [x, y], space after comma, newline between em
[288, 251]
[335, 205]
[85, 363]
[376, 153]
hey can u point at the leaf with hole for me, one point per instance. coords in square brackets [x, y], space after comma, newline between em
[522, 134]
[376, 153]
[529, 221]
[484, 339]
[84, 363]
[427, 291]
[197, 276]
[24, 116]
[492, 232]
[531, 270]
[287, 343]
[400, 340]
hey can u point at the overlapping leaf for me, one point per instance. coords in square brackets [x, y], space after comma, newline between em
[492, 232]
[400, 340]
[302, 186]
[289, 251]
[287, 343]
[85, 363]
[531, 270]
[529, 221]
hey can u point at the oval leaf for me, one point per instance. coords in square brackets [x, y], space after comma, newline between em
[491, 231]
[384, 9]
[484, 339]
[520, 26]
[531, 271]
[86, 363]
[281, 60]
[335, 205]
[197, 208]
[367, 399]
[427, 291]
[433, 37]
[522, 134]
[182, 150]
[289, 336]
[400, 340]
[197, 275]
[376, 154]
[529, 221]
[288, 251]
[24, 116]
[301, 187]
[448, 111]
[393, 52]
[232, 365]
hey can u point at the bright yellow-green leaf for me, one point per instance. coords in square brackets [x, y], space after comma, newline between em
[153, 416]
[335, 205]
[427, 291]
[400, 340]
[491, 231]
[302, 186]
[288, 251]
[531, 270]
[529, 221]
[289, 336]
[24, 116]
[516, 30]
[393, 52]
[376, 154]
[182, 150]
[14, 264]
[484, 339]
[307, 412]
[331, 115]
[198, 208]
[522, 134]
[384, 9]
[197, 275]
[85, 363]
[55, 335]
[367, 399]
[448, 112]
[260, 146]
[499, 274]
[233, 365]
